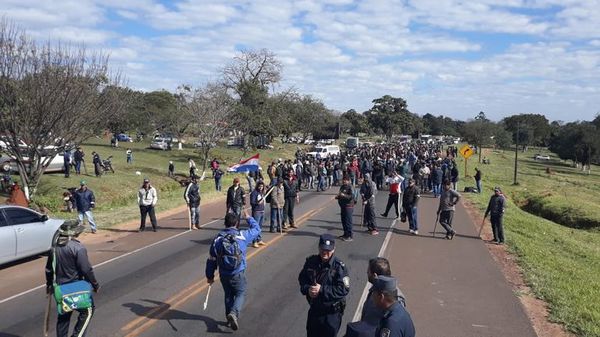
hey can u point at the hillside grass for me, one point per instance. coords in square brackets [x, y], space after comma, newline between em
[116, 193]
[561, 262]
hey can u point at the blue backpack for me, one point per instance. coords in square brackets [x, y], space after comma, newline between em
[229, 253]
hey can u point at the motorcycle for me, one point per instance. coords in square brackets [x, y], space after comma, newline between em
[107, 165]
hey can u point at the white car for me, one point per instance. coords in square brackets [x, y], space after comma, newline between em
[541, 157]
[24, 233]
[9, 163]
[159, 144]
[324, 151]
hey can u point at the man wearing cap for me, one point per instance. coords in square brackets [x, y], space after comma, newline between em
[448, 200]
[396, 321]
[236, 197]
[410, 199]
[325, 282]
[371, 313]
[346, 199]
[192, 199]
[85, 201]
[147, 198]
[360, 329]
[232, 267]
[496, 208]
[72, 264]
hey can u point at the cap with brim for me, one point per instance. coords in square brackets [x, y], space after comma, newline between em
[327, 242]
[82, 182]
[71, 228]
[146, 180]
[497, 189]
[384, 284]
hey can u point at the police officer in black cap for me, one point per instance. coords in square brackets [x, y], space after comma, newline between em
[360, 329]
[396, 321]
[325, 282]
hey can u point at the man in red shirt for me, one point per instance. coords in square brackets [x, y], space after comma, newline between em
[394, 180]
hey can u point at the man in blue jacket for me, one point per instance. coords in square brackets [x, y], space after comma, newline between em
[85, 201]
[228, 254]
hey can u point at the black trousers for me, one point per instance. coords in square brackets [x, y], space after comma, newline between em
[81, 326]
[392, 201]
[323, 325]
[497, 229]
[369, 215]
[147, 210]
[346, 215]
[288, 210]
[446, 221]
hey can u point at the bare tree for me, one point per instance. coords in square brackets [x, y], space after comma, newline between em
[212, 108]
[51, 95]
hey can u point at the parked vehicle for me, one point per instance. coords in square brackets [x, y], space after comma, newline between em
[324, 151]
[166, 137]
[8, 163]
[24, 233]
[124, 138]
[159, 144]
[541, 157]
[235, 141]
[352, 142]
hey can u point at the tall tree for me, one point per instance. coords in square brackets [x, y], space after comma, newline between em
[577, 141]
[391, 116]
[212, 108]
[478, 131]
[51, 95]
[354, 122]
[529, 129]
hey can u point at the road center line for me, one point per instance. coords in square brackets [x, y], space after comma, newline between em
[365, 292]
[109, 261]
[154, 315]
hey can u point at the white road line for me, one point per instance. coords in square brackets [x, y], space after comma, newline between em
[111, 260]
[365, 292]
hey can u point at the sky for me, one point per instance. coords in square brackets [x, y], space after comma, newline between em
[445, 57]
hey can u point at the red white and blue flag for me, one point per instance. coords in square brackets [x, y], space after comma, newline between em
[247, 165]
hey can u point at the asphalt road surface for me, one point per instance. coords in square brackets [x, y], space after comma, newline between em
[452, 288]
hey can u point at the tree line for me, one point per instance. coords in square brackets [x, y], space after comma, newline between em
[55, 95]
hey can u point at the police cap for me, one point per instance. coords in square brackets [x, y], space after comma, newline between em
[327, 242]
[360, 329]
[385, 284]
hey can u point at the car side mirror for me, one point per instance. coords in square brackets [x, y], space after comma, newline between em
[44, 218]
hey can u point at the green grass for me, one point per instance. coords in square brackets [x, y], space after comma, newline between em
[560, 263]
[116, 194]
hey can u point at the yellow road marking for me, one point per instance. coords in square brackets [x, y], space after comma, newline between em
[193, 290]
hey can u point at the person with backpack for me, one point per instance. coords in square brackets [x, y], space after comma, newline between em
[346, 198]
[68, 264]
[228, 255]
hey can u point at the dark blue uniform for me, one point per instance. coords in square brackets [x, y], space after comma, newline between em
[396, 322]
[326, 310]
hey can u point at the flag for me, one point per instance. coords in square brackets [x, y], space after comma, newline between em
[247, 165]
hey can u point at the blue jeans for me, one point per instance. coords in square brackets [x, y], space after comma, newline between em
[411, 213]
[218, 184]
[321, 185]
[89, 216]
[437, 190]
[276, 215]
[195, 215]
[479, 187]
[259, 217]
[234, 287]
[346, 213]
[77, 167]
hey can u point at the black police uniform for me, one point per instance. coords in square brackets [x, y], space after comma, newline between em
[396, 322]
[326, 310]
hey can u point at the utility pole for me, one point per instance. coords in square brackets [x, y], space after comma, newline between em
[515, 182]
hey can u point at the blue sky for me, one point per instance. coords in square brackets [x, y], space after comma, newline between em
[445, 57]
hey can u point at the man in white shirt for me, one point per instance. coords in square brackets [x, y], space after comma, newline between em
[394, 180]
[147, 198]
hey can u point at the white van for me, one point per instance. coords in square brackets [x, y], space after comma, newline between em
[324, 151]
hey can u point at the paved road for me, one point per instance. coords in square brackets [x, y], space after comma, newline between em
[452, 287]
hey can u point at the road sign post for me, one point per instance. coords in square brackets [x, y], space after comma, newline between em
[466, 151]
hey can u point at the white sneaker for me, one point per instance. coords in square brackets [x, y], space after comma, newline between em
[416, 232]
[411, 231]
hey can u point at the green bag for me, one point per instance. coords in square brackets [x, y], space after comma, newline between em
[71, 296]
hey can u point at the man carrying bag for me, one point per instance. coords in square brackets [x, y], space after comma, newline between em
[70, 279]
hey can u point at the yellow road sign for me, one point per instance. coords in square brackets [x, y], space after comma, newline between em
[466, 151]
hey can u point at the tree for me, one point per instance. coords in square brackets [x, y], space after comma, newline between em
[354, 123]
[249, 76]
[478, 131]
[577, 141]
[51, 96]
[529, 129]
[390, 115]
[212, 108]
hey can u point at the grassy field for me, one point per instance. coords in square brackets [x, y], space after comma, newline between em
[116, 194]
[561, 263]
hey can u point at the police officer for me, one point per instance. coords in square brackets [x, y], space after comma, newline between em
[72, 264]
[346, 200]
[396, 321]
[371, 313]
[325, 282]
